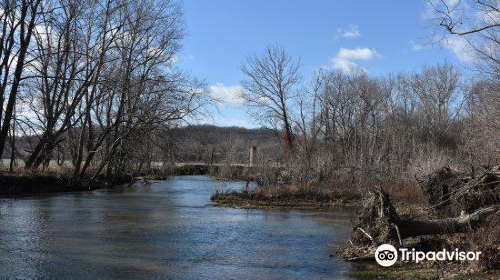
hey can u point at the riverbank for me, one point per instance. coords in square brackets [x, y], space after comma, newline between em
[28, 182]
[325, 197]
[33, 182]
[285, 198]
[23, 182]
[406, 196]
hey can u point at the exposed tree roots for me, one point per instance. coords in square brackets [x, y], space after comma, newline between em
[379, 223]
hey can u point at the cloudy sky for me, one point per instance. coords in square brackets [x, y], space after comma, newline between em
[379, 36]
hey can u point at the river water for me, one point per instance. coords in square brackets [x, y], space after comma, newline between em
[165, 230]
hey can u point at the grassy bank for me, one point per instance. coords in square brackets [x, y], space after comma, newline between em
[329, 195]
[289, 196]
[407, 197]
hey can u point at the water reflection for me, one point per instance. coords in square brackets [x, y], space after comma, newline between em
[164, 230]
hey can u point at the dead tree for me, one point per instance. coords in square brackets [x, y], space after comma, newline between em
[379, 223]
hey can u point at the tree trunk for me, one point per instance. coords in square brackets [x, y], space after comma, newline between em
[287, 140]
[24, 44]
[458, 224]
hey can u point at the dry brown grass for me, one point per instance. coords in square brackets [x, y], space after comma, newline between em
[408, 198]
[339, 188]
[487, 240]
[300, 196]
[22, 172]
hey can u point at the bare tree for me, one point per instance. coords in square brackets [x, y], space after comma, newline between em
[307, 125]
[436, 92]
[458, 18]
[66, 64]
[269, 88]
[483, 125]
[352, 118]
[101, 77]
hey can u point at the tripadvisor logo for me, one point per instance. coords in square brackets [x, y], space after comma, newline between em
[386, 255]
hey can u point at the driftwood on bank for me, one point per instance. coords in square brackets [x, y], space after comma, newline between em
[379, 223]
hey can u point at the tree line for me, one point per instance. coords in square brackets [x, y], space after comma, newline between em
[351, 122]
[355, 122]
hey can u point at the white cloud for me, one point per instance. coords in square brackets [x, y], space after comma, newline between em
[351, 32]
[174, 59]
[226, 94]
[344, 58]
[346, 66]
[460, 12]
[357, 54]
[461, 48]
[416, 46]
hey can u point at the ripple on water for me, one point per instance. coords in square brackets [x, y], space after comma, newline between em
[165, 230]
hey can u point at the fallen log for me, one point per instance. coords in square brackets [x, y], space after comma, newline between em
[379, 223]
[462, 223]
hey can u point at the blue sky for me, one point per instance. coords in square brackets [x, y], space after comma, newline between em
[379, 36]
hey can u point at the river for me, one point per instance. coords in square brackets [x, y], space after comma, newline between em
[165, 230]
